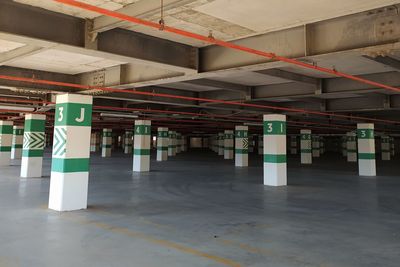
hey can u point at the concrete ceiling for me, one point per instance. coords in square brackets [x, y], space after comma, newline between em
[227, 19]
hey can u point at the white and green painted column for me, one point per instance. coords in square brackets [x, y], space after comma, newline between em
[162, 144]
[366, 149]
[32, 152]
[6, 135]
[185, 145]
[385, 147]
[71, 152]
[128, 142]
[241, 146]
[228, 144]
[178, 143]
[275, 171]
[141, 146]
[107, 143]
[94, 141]
[344, 146]
[172, 144]
[392, 147]
[305, 147]
[315, 146]
[261, 145]
[17, 141]
[351, 147]
[293, 145]
[321, 145]
[220, 144]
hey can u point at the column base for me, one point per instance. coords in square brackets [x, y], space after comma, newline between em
[366, 167]
[5, 158]
[275, 174]
[141, 163]
[31, 167]
[68, 191]
[241, 160]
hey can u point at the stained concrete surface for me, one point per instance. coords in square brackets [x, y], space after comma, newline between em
[197, 209]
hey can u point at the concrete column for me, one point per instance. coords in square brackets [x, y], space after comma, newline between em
[321, 145]
[315, 146]
[170, 144]
[275, 173]
[305, 147]
[6, 135]
[185, 146]
[392, 149]
[351, 147]
[32, 153]
[93, 140]
[17, 140]
[220, 144]
[71, 152]
[141, 146]
[128, 142]
[228, 144]
[260, 145]
[178, 143]
[344, 146]
[385, 147]
[162, 144]
[293, 145]
[241, 146]
[366, 149]
[251, 146]
[107, 143]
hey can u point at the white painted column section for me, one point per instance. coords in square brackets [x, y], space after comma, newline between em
[170, 143]
[107, 143]
[366, 149]
[241, 146]
[293, 145]
[351, 147]
[162, 144]
[128, 142]
[228, 144]
[71, 151]
[16, 147]
[275, 172]
[261, 145]
[93, 137]
[315, 146]
[6, 133]
[220, 144]
[305, 146]
[385, 147]
[141, 151]
[32, 153]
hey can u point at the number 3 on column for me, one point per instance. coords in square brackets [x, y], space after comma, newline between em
[60, 113]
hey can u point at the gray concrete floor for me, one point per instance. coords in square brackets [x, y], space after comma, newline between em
[199, 210]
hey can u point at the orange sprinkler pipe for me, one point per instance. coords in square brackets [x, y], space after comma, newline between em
[212, 40]
[189, 98]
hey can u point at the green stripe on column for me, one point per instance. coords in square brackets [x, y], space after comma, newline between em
[274, 127]
[32, 153]
[269, 158]
[228, 148]
[162, 148]
[241, 151]
[365, 133]
[5, 148]
[141, 152]
[143, 129]
[305, 150]
[366, 156]
[6, 129]
[16, 146]
[70, 165]
[106, 146]
[35, 125]
[78, 114]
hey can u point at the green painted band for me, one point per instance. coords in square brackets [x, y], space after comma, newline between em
[128, 145]
[107, 134]
[385, 151]
[142, 130]
[6, 129]
[162, 148]
[352, 150]
[70, 165]
[241, 151]
[241, 133]
[228, 148]
[34, 125]
[274, 127]
[106, 146]
[270, 158]
[365, 133]
[73, 114]
[141, 152]
[305, 150]
[18, 131]
[32, 153]
[305, 136]
[5, 148]
[162, 134]
[17, 146]
[366, 155]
